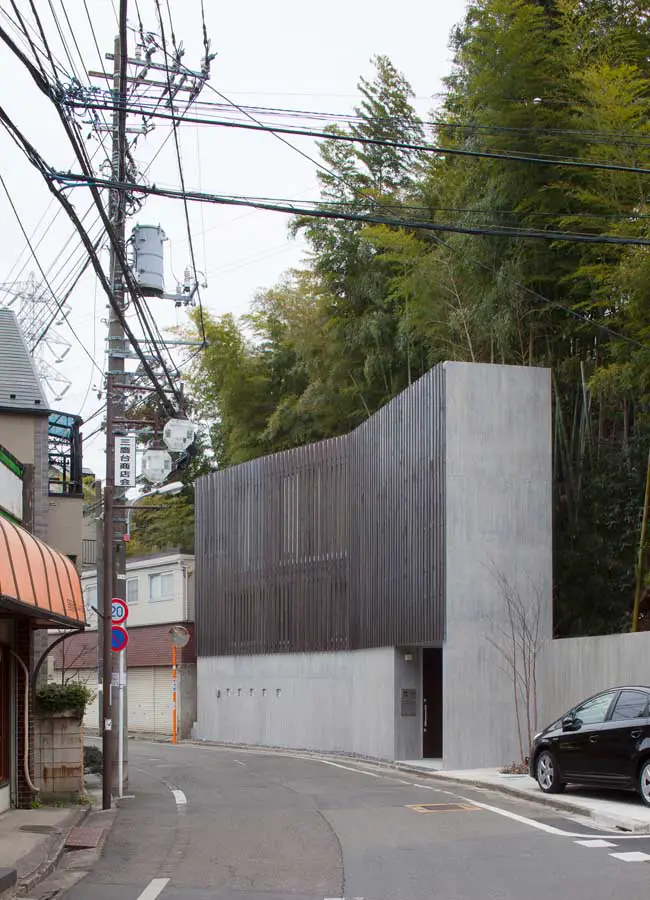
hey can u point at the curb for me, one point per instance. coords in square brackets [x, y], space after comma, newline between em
[54, 853]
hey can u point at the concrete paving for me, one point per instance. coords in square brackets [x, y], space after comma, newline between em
[206, 823]
[27, 834]
[32, 841]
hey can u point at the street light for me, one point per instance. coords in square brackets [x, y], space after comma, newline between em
[170, 490]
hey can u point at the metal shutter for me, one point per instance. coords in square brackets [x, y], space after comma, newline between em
[150, 700]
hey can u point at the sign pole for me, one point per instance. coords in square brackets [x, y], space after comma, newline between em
[178, 637]
[174, 729]
[120, 746]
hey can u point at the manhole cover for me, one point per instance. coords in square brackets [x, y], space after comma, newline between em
[83, 838]
[40, 829]
[441, 807]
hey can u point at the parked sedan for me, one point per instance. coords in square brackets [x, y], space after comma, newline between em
[603, 742]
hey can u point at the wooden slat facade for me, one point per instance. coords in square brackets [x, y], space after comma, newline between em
[337, 545]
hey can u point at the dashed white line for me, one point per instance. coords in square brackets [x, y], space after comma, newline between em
[239, 762]
[179, 797]
[632, 856]
[154, 888]
[328, 762]
[595, 842]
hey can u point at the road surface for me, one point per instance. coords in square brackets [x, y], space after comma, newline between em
[211, 824]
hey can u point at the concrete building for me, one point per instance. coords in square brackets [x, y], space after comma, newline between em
[40, 546]
[352, 594]
[159, 594]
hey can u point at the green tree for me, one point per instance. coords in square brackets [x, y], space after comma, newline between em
[376, 306]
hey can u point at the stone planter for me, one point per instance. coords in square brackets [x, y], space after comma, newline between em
[59, 755]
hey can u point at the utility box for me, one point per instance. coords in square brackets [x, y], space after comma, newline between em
[148, 262]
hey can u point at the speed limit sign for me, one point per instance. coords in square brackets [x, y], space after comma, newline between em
[119, 611]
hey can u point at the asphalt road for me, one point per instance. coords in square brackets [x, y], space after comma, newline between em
[236, 825]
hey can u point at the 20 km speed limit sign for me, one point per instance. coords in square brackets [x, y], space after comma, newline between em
[119, 611]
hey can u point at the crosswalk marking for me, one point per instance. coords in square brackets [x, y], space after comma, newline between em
[632, 856]
[596, 842]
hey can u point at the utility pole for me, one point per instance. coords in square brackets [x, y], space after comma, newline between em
[99, 563]
[119, 380]
[114, 377]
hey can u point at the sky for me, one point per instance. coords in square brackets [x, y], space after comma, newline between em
[289, 54]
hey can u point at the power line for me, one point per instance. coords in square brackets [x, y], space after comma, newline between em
[39, 163]
[180, 167]
[279, 130]
[60, 304]
[337, 213]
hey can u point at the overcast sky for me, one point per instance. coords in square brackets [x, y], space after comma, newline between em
[287, 54]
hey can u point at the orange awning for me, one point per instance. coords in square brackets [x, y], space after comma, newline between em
[36, 580]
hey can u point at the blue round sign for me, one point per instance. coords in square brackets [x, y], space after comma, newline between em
[119, 638]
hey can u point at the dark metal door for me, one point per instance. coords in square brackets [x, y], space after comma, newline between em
[432, 703]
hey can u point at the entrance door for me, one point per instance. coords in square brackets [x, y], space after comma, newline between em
[5, 729]
[432, 702]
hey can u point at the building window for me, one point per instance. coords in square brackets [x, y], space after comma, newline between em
[90, 599]
[161, 587]
[131, 591]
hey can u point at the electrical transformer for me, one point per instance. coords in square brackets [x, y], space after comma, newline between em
[148, 262]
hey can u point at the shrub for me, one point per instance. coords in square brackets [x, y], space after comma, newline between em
[71, 697]
[93, 760]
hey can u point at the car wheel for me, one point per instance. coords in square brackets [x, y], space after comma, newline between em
[644, 782]
[548, 774]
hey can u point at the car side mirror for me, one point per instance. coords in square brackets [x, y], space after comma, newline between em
[570, 723]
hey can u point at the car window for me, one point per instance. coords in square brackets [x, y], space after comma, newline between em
[630, 705]
[593, 711]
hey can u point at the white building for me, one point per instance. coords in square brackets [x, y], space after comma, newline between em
[159, 594]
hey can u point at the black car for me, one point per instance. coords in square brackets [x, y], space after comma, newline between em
[602, 742]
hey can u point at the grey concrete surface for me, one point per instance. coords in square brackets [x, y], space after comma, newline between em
[498, 475]
[408, 729]
[573, 669]
[341, 701]
[32, 839]
[264, 826]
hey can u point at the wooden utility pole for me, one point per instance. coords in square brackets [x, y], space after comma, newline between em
[116, 352]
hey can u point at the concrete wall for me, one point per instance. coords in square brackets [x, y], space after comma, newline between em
[58, 754]
[408, 729]
[573, 669]
[186, 699]
[498, 521]
[17, 435]
[64, 526]
[341, 701]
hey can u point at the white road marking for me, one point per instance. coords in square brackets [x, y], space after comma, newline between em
[597, 842]
[328, 762]
[542, 826]
[179, 797]
[239, 762]
[632, 856]
[154, 888]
